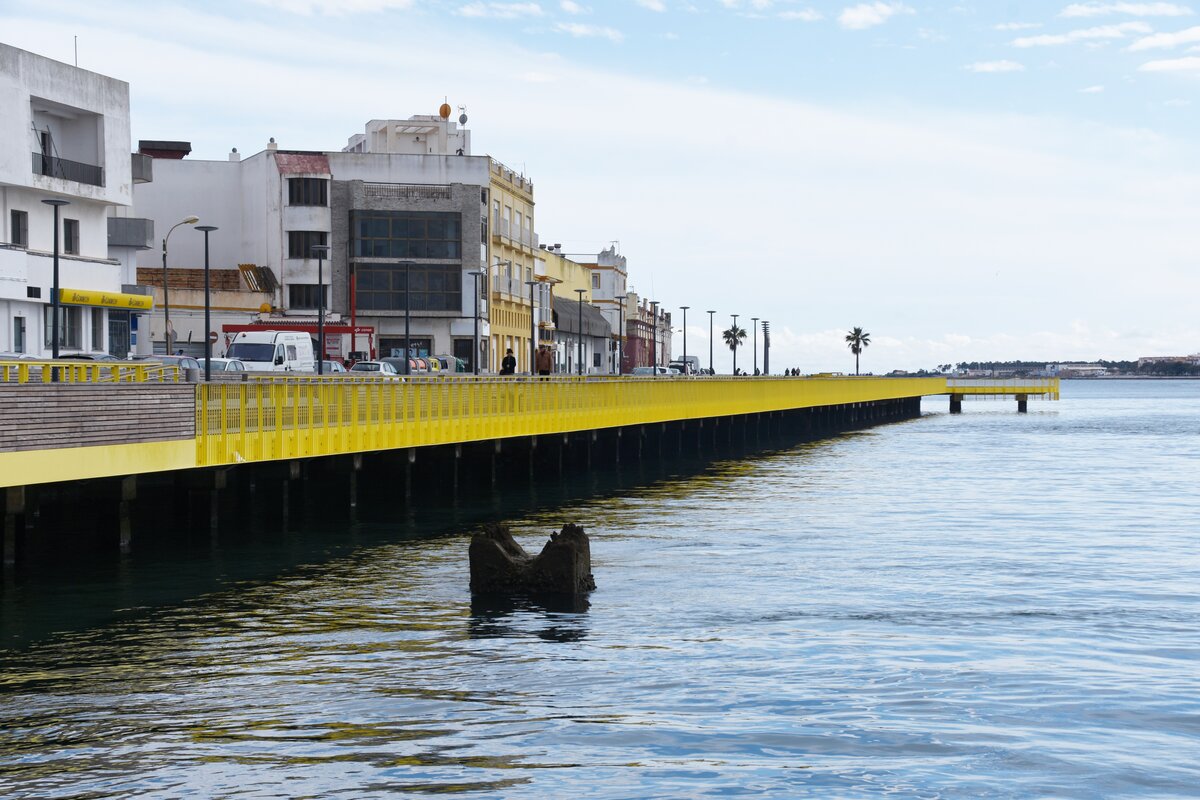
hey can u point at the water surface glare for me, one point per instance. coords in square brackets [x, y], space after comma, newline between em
[984, 605]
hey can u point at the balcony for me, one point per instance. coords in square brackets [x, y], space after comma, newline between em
[69, 170]
[131, 232]
[142, 167]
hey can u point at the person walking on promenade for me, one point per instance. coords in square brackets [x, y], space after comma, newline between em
[545, 361]
[508, 365]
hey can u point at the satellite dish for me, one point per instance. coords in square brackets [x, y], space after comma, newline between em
[462, 119]
[444, 111]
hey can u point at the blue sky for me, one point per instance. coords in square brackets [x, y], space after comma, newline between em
[969, 180]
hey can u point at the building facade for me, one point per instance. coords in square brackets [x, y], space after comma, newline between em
[64, 137]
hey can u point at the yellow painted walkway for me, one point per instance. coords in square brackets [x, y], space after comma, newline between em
[269, 419]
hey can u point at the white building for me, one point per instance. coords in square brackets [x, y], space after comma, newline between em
[368, 203]
[64, 135]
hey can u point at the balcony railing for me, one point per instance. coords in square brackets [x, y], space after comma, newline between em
[70, 170]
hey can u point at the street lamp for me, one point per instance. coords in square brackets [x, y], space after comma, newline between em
[190, 219]
[684, 309]
[321, 250]
[476, 274]
[54, 300]
[654, 335]
[621, 337]
[755, 335]
[734, 348]
[207, 306]
[407, 317]
[766, 326]
[581, 293]
[532, 330]
[710, 342]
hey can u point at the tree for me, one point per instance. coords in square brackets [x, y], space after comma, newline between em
[734, 337]
[857, 340]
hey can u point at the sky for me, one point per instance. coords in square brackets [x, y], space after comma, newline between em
[965, 180]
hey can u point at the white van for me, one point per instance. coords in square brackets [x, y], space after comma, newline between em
[273, 351]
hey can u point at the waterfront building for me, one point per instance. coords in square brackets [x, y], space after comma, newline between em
[403, 203]
[609, 285]
[647, 334]
[64, 136]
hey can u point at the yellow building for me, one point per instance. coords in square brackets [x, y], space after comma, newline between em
[512, 247]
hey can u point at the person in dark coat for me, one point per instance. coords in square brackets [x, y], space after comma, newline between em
[508, 365]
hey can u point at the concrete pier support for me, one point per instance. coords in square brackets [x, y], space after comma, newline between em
[125, 512]
[1022, 404]
[956, 401]
[14, 522]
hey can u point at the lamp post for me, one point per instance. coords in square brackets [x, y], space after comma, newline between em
[621, 337]
[581, 293]
[684, 309]
[54, 300]
[207, 229]
[710, 342]
[407, 317]
[754, 320]
[476, 274]
[532, 329]
[766, 326]
[190, 219]
[734, 348]
[321, 250]
[654, 336]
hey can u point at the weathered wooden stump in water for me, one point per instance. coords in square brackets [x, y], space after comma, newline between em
[501, 566]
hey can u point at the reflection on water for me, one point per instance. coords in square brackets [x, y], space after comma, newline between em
[976, 606]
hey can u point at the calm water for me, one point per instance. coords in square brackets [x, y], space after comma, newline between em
[986, 605]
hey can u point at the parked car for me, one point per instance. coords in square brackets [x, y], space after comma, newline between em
[17, 357]
[333, 368]
[225, 365]
[93, 356]
[376, 369]
[398, 363]
[653, 371]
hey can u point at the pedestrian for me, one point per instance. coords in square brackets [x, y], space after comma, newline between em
[544, 360]
[508, 365]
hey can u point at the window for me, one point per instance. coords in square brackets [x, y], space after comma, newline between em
[595, 280]
[308, 192]
[18, 334]
[70, 244]
[407, 234]
[97, 329]
[518, 219]
[19, 228]
[300, 243]
[305, 295]
[70, 320]
[381, 287]
[33, 291]
[595, 359]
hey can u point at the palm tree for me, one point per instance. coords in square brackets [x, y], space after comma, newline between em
[734, 337]
[857, 340]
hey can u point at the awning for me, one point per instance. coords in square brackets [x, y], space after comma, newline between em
[94, 297]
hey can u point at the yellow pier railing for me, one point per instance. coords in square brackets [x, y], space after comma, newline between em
[273, 418]
[31, 371]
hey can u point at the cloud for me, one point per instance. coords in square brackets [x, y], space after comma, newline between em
[1016, 26]
[1101, 33]
[1163, 41]
[500, 10]
[995, 66]
[653, 5]
[571, 7]
[1133, 9]
[1092, 90]
[868, 15]
[1186, 64]
[803, 15]
[335, 7]
[581, 31]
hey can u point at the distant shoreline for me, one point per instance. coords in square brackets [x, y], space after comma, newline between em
[1135, 378]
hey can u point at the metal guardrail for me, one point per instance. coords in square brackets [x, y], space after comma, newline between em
[49, 371]
[299, 417]
[79, 172]
[1033, 388]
